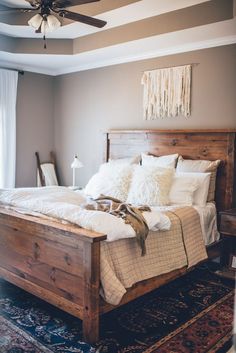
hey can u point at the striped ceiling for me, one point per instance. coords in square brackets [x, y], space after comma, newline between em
[135, 30]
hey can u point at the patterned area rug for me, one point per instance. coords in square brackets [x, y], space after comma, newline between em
[193, 314]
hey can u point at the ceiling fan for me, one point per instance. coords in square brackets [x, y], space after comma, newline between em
[47, 12]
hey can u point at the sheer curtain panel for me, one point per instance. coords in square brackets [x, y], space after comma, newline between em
[8, 94]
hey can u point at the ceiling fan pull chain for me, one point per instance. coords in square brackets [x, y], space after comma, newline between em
[45, 44]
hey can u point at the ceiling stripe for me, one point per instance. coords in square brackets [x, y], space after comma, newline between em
[207, 36]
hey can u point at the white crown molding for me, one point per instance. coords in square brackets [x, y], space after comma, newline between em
[25, 67]
[150, 55]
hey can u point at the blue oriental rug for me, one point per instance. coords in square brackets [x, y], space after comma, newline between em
[193, 314]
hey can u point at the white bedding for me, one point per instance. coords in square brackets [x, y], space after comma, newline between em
[208, 220]
[63, 203]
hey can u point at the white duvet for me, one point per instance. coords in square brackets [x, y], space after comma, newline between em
[65, 204]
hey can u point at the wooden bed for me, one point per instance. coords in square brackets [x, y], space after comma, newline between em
[61, 263]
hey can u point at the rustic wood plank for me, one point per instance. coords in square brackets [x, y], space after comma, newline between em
[106, 147]
[68, 259]
[215, 249]
[60, 282]
[42, 293]
[164, 131]
[65, 233]
[230, 170]
[193, 144]
[91, 292]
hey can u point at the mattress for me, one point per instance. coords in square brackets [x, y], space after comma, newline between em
[63, 203]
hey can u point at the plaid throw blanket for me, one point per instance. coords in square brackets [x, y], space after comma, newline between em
[131, 215]
[181, 246]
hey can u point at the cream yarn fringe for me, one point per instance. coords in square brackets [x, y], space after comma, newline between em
[167, 92]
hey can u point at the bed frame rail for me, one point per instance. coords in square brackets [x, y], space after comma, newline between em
[56, 262]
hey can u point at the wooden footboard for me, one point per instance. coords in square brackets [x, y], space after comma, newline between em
[58, 263]
[61, 264]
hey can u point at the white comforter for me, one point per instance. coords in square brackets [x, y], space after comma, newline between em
[65, 204]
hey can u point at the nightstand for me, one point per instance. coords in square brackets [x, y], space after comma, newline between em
[228, 234]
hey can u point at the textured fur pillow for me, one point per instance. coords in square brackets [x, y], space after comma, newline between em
[111, 180]
[150, 186]
[200, 166]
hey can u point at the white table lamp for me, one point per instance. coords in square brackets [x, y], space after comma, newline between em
[76, 164]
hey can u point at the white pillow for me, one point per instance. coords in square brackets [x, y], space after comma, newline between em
[150, 185]
[168, 161]
[196, 166]
[182, 189]
[203, 180]
[111, 180]
[202, 166]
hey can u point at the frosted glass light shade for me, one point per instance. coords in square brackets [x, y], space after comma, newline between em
[48, 23]
[36, 21]
[53, 23]
[44, 27]
[76, 163]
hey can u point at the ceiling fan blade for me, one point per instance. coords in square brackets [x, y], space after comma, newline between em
[68, 3]
[34, 3]
[82, 18]
[15, 10]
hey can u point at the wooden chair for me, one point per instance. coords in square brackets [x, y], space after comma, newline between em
[46, 171]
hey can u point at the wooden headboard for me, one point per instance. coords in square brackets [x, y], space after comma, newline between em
[191, 144]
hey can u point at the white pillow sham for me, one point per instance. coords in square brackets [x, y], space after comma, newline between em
[200, 166]
[182, 189]
[199, 195]
[150, 186]
[111, 180]
[168, 161]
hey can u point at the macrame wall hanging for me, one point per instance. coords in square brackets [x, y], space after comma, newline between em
[167, 92]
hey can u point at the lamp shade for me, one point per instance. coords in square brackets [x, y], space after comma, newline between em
[48, 23]
[76, 163]
[53, 23]
[36, 21]
[45, 27]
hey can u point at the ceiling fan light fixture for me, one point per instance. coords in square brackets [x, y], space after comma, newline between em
[44, 27]
[53, 23]
[36, 21]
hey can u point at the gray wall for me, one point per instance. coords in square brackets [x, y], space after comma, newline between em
[88, 103]
[34, 123]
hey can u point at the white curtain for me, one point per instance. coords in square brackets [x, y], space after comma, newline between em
[8, 94]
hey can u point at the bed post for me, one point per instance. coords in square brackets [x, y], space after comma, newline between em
[91, 264]
[106, 149]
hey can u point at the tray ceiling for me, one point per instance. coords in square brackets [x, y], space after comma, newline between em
[136, 30]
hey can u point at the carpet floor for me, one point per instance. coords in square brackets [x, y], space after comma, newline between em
[192, 314]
